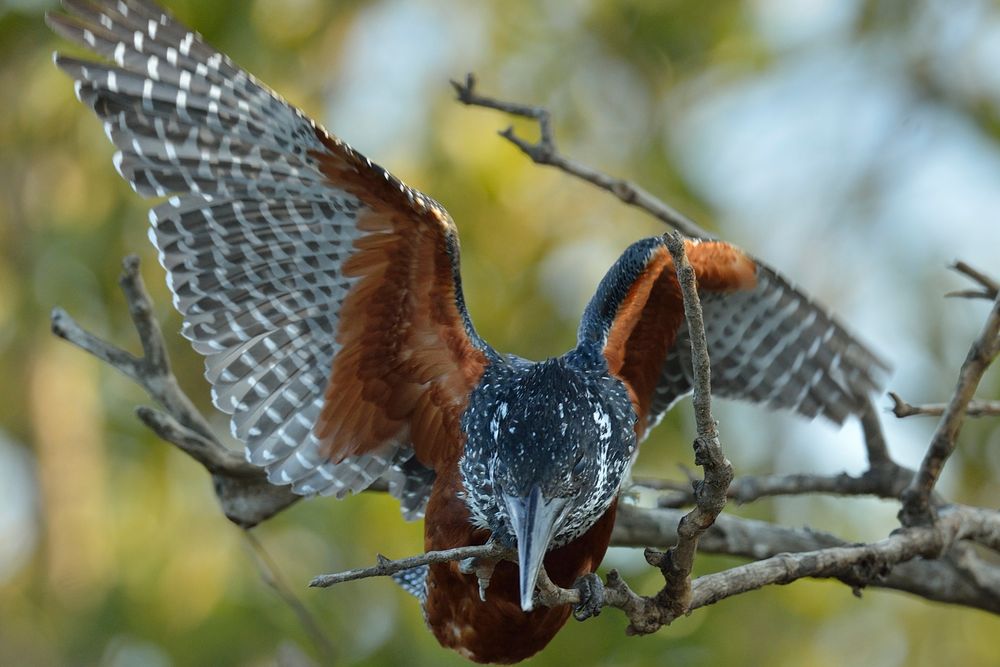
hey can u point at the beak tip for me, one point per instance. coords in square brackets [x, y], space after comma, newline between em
[533, 519]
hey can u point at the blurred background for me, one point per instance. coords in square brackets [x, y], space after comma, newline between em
[853, 144]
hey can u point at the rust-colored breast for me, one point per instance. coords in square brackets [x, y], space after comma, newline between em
[496, 631]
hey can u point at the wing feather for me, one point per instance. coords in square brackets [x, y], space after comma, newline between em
[768, 342]
[323, 292]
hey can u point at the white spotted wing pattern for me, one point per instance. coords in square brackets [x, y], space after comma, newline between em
[254, 233]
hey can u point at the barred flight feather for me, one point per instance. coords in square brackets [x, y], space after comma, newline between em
[767, 342]
[254, 238]
[774, 346]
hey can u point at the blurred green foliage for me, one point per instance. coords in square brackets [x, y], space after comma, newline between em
[125, 559]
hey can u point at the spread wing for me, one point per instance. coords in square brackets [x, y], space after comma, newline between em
[767, 342]
[324, 293]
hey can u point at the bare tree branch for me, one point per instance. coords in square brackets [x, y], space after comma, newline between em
[207, 451]
[732, 535]
[875, 445]
[916, 499]
[754, 539]
[902, 409]
[788, 554]
[544, 152]
[990, 288]
[886, 480]
[861, 563]
[709, 494]
[883, 481]
[271, 574]
[857, 565]
[243, 491]
[386, 567]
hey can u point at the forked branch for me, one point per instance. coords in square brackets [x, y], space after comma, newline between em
[986, 286]
[917, 507]
[243, 491]
[709, 493]
[544, 152]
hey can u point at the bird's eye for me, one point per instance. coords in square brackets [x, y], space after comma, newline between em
[580, 466]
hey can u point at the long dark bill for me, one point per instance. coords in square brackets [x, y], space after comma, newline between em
[533, 518]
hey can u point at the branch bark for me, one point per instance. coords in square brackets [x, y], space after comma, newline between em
[960, 577]
[917, 497]
[857, 565]
[544, 152]
[902, 409]
[709, 493]
[387, 568]
[243, 491]
[988, 287]
[944, 580]
[882, 481]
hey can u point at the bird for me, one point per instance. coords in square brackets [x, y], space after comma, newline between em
[326, 298]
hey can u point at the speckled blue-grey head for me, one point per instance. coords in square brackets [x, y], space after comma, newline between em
[548, 447]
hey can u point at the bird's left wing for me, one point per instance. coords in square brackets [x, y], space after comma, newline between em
[767, 342]
[324, 293]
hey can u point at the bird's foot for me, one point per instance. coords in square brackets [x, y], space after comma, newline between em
[591, 590]
[468, 565]
[482, 568]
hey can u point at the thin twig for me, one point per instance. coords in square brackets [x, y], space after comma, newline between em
[882, 481]
[152, 370]
[386, 567]
[243, 491]
[271, 575]
[916, 499]
[544, 152]
[971, 294]
[660, 484]
[710, 494]
[875, 445]
[207, 451]
[990, 287]
[157, 377]
[902, 409]
[65, 327]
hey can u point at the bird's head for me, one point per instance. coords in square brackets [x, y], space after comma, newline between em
[548, 447]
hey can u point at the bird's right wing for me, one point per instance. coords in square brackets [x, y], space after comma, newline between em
[324, 293]
[767, 342]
